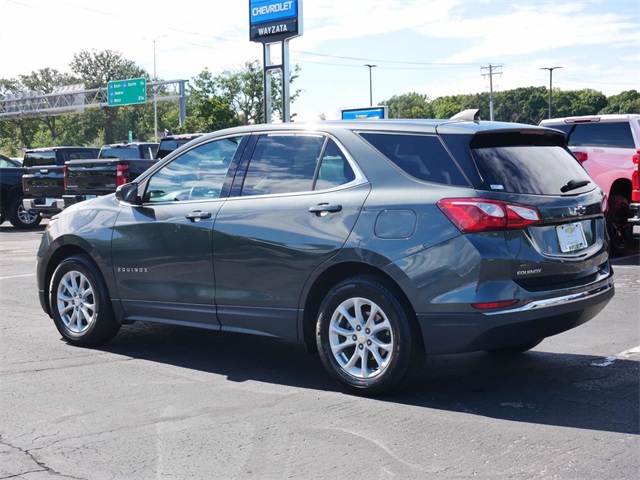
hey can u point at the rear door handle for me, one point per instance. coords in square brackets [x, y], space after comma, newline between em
[325, 208]
[197, 216]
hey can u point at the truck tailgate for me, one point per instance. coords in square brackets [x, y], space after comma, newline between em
[39, 182]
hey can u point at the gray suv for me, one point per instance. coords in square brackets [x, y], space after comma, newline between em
[374, 243]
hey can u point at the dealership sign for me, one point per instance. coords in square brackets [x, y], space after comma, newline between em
[365, 113]
[274, 20]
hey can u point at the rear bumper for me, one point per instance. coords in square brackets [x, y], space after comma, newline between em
[457, 333]
[46, 206]
[635, 214]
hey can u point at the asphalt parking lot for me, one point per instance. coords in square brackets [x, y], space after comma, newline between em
[176, 403]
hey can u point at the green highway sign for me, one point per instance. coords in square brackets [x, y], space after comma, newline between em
[127, 92]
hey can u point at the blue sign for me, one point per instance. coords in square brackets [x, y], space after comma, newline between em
[266, 11]
[367, 113]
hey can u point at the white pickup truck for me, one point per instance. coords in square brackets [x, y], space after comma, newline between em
[606, 145]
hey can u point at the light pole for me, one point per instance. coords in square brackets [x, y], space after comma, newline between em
[551, 69]
[155, 89]
[370, 84]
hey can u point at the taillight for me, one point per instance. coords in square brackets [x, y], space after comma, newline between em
[122, 174]
[481, 215]
[635, 182]
[64, 176]
[581, 156]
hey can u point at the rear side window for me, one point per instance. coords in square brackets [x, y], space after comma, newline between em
[421, 156]
[39, 159]
[597, 134]
[530, 164]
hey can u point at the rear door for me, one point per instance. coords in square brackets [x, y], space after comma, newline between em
[294, 209]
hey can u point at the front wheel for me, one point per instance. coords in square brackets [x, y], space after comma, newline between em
[80, 303]
[366, 339]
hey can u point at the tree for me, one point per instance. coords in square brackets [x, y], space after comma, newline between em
[409, 105]
[625, 102]
[96, 69]
[244, 89]
[208, 108]
[46, 80]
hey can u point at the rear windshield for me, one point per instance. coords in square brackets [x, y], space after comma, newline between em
[39, 159]
[120, 152]
[168, 146]
[421, 156]
[597, 134]
[528, 164]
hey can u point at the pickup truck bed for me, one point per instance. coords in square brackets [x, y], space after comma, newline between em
[90, 178]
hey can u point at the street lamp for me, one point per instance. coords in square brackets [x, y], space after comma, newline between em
[155, 90]
[551, 69]
[370, 84]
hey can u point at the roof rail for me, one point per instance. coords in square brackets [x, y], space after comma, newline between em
[469, 115]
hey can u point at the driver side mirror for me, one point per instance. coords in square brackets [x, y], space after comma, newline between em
[128, 193]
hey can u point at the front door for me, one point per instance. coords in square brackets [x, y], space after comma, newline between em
[163, 250]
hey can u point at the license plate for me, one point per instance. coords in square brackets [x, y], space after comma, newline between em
[571, 237]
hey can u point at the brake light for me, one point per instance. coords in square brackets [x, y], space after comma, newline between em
[635, 181]
[581, 156]
[481, 215]
[64, 176]
[122, 174]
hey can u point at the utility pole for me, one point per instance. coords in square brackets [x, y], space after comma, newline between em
[370, 84]
[155, 89]
[491, 69]
[551, 69]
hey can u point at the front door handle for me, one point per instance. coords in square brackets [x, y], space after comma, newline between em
[324, 209]
[197, 216]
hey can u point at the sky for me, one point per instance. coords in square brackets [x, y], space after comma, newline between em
[432, 47]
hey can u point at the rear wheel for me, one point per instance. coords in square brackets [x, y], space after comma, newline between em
[366, 339]
[22, 218]
[80, 303]
[618, 224]
[514, 349]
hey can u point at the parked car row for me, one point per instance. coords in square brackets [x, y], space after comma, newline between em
[373, 243]
[50, 179]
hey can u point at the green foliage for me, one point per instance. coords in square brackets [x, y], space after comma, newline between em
[625, 102]
[409, 105]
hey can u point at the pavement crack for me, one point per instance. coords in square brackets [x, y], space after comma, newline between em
[43, 467]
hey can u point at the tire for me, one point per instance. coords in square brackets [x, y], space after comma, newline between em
[80, 303]
[21, 218]
[618, 224]
[367, 354]
[514, 350]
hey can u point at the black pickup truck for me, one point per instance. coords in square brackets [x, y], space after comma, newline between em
[11, 196]
[115, 165]
[91, 178]
[43, 179]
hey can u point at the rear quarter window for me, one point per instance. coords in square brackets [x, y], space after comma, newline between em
[421, 156]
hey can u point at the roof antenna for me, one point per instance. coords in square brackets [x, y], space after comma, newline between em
[470, 115]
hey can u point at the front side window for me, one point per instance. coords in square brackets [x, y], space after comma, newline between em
[195, 175]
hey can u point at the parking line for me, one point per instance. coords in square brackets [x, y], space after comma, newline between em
[18, 276]
[621, 356]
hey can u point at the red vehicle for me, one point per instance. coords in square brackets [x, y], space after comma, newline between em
[605, 145]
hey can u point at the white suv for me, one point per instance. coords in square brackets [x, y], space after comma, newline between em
[605, 145]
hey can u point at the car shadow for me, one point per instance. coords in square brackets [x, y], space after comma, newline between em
[568, 390]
